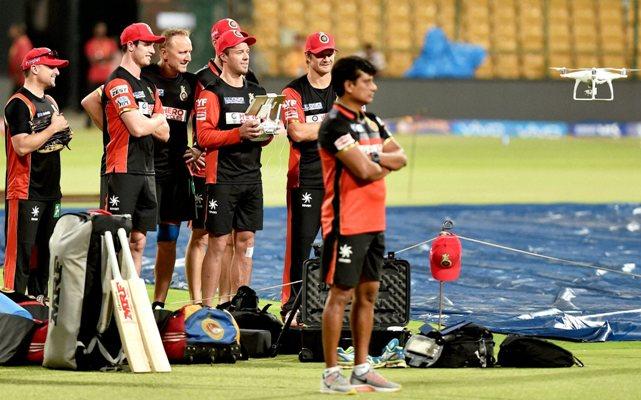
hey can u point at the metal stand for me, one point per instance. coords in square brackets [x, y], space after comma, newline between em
[440, 305]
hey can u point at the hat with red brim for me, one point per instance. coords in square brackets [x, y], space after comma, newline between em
[445, 257]
[319, 42]
[233, 38]
[42, 56]
[139, 31]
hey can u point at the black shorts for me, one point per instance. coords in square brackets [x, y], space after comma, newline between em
[201, 199]
[348, 259]
[134, 195]
[28, 227]
[176, 199]
[238, 207]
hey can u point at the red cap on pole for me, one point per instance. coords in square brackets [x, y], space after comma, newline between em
[445, 257]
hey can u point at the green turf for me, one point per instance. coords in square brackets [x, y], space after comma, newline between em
[448, 170]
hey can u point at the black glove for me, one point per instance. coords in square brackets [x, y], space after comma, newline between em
[57, 141]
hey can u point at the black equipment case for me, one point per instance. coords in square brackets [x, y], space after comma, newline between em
[391, 311]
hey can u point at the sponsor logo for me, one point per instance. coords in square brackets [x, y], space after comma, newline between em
[251, 98]
[603, 129]
[114, 202]
[316, 118]
[123, 302]
[291, 114]
[183, 93]
[143, 106]
[141, 95]
[201, 102]
[357, 128]
[42, 114]
[307, 200]
[201, 116]
[175, 114]
[55, 298]
[123, 101]
[322, 37]
[371, 148]
[345, 252]
[344, 141]
[290, 103]
[213, 205]
[234, 118]
[35, 213]
[234, 100]
[312, 106]
[56, 210]
[199, 200]
[120, 89]
[212, 328]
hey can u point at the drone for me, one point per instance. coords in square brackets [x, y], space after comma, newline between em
[593, 77]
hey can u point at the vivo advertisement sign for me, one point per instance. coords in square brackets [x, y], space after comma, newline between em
[598, 129]
[501, 128]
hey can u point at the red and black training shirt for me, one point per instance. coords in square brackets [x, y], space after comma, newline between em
[34, 176]
[220, 111]
[305, 104]
[125, 153]
[351, 205]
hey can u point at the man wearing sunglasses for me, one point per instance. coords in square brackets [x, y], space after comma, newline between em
[33, 174]
[307, 100]
[133, 117]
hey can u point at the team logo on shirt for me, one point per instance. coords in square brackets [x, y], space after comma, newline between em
[143, 106]
[345, 252]
[183, 93]
[35, 213]
[114, 202]
[213, 205]
[120, 89]
[307, 200]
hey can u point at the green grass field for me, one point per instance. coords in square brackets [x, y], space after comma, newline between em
[443, 170]
[448, 170]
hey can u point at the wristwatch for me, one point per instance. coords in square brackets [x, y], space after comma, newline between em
[375, 157]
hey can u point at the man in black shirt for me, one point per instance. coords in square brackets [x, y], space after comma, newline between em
[307, 100]
[174, 186]
[32, 192]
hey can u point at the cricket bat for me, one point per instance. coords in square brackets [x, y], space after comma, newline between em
[125, 314]
[146, 321]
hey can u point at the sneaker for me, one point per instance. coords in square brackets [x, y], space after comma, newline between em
[372, 381]
[393, 355]
[345, 357]
[336, 383]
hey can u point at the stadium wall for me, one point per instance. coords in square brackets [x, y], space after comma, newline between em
[497, 99]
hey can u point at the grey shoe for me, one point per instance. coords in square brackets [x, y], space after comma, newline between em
[372, 381]
[336, 383]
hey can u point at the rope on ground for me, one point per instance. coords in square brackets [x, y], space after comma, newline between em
[185, 302]
[550, 258]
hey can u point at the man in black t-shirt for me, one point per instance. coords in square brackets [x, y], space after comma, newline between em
[234, 182]
[175, 195]
[307, 100]
[32, 192]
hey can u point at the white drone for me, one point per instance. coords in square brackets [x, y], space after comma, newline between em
[593, 77]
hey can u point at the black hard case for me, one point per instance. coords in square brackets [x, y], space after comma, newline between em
[392, 309]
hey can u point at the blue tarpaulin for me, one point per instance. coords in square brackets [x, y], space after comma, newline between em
[442, 58]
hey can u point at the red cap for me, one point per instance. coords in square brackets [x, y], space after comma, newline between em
[318, 42]
[42, 56]
[139, 31]
[445, 257]
[232, 38]
[222, 26]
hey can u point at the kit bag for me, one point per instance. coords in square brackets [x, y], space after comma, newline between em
[461, 345]
[244, 307]
[23, 329]
[531, 352]
[81, 332]
[194, 335]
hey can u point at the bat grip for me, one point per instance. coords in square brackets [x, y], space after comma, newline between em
[127, 258]
[111, 255]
